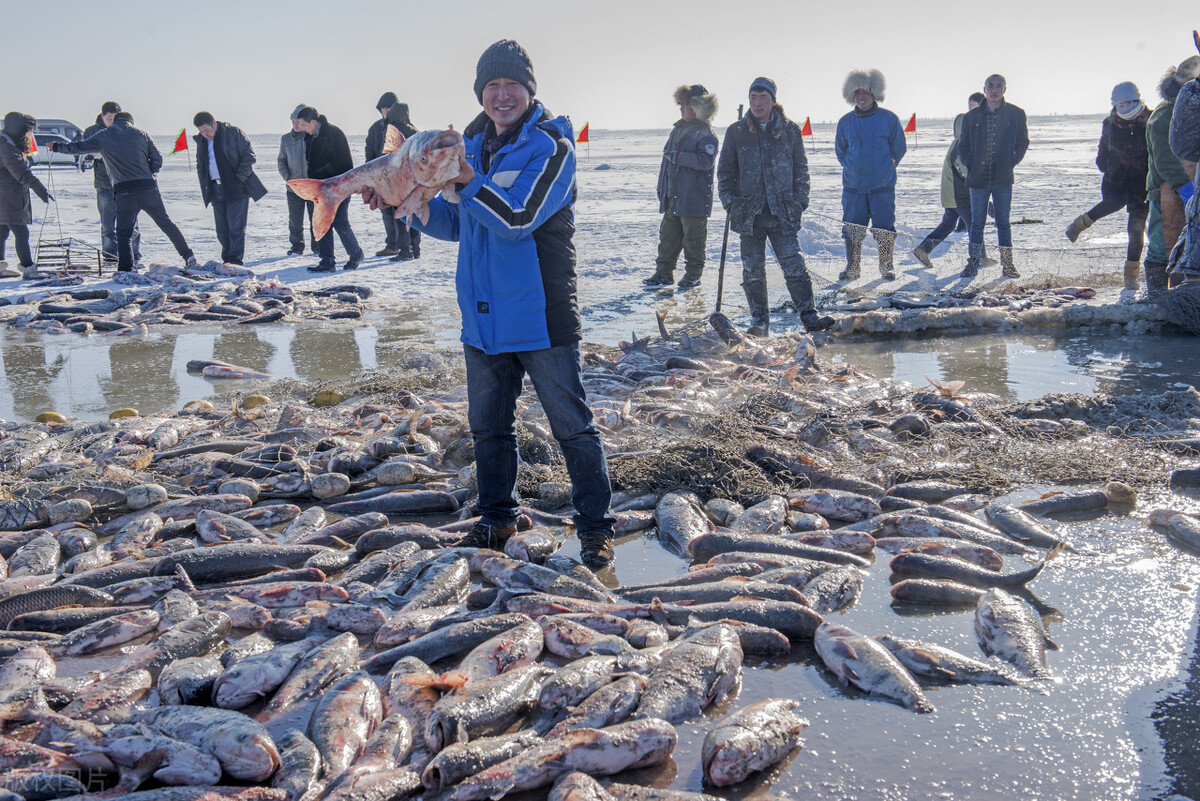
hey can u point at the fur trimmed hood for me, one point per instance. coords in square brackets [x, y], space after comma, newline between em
[704, 105]
[871, 80]
[1175, 77]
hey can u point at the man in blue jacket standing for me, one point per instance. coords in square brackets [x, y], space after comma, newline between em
[516, 290]
[869, 144]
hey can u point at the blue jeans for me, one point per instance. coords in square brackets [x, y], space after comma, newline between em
[493, 385]
[230, 216]
[341, 224]
[878, 208]
[106, 202]
[1002, 205]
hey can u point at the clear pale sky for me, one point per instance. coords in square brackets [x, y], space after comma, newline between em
[613, 63]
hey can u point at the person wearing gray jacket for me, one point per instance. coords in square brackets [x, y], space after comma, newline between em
[132, 161]
[293, 163]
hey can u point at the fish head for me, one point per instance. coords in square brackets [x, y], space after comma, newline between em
[245, 753]
[433, 156]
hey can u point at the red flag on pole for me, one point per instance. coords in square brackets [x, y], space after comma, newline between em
[911, 126]
[32, 144]
[806, 129]
[583, 133]
[181, 142]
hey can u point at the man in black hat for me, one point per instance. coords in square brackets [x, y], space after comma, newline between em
[763, 182]
[225, 164]
[133, 161]
[106, 202]
[374, 149]
[514, 223]
[685, 189]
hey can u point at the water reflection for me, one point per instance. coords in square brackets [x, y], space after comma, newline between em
[1022, 366]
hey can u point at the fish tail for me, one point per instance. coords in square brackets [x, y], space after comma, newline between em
[325, 199]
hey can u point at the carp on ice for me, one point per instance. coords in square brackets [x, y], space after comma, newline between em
[405, 180]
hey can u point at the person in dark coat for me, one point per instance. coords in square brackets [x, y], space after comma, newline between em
[328, 157]
[1167, 182]
[106, 202]
[1185, 144]
[397, 131]
[132, 160]
[1124, 160]
[372, 151]
[292, 162]
[225, 165]
[869, 144]
[762, 180]
[685, 189]
[994, 139]
[16, 179]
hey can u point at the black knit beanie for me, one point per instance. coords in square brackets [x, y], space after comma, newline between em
[504, 59]
[386, 100]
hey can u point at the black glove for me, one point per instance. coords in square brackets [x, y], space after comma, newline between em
[41, 192]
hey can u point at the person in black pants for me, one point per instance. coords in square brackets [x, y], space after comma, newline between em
[16, 179]
[132, 161]
[1124, 159]
[328, 157]
[225, 164]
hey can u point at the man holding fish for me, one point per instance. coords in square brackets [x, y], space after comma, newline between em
[514, 223]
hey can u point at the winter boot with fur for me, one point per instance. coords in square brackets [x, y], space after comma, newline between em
[1078, 226]
[853, 258]
[886, 240]
[922, 255]
[1008, 269]
[1156, 277]
[986, 260]
[974, 260]
[1133, 271]
[760, 313]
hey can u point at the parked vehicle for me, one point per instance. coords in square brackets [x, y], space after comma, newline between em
[64, 128]
[43, 154]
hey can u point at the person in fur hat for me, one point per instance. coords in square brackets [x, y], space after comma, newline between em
[1123, 159]
[16, 180]
[869, 143]
[993, 141]
[762, 179]
[685, 189]
[1166, 180]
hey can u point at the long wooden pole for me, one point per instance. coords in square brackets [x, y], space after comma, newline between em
[724, 248]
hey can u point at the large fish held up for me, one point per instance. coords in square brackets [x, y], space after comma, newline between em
[406, 179]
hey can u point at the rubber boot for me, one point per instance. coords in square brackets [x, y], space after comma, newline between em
[886, 240]
[1078, 226]
[760, 313]
[922, 255]
[1009, 270]
[853, 259]
[660, 278]
[1156, 277]
[974, 260]
[1133, 272]
[800, 288]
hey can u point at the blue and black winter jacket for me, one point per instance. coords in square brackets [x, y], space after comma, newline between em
[514, 224]
[869, 146]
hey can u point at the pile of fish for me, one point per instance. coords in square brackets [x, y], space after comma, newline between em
[1018, 300]
[174, 296]
[197, 601]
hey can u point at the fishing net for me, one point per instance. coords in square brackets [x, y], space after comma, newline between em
[1182, 306]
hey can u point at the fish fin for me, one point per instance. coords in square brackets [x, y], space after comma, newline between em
[849, 674]
[341, 542]
[185, 578]
[1055, 551]
[1043, 497]
[924, 656]
[325, 204]
[843, 648]
[1051, 644]
[423, 214]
